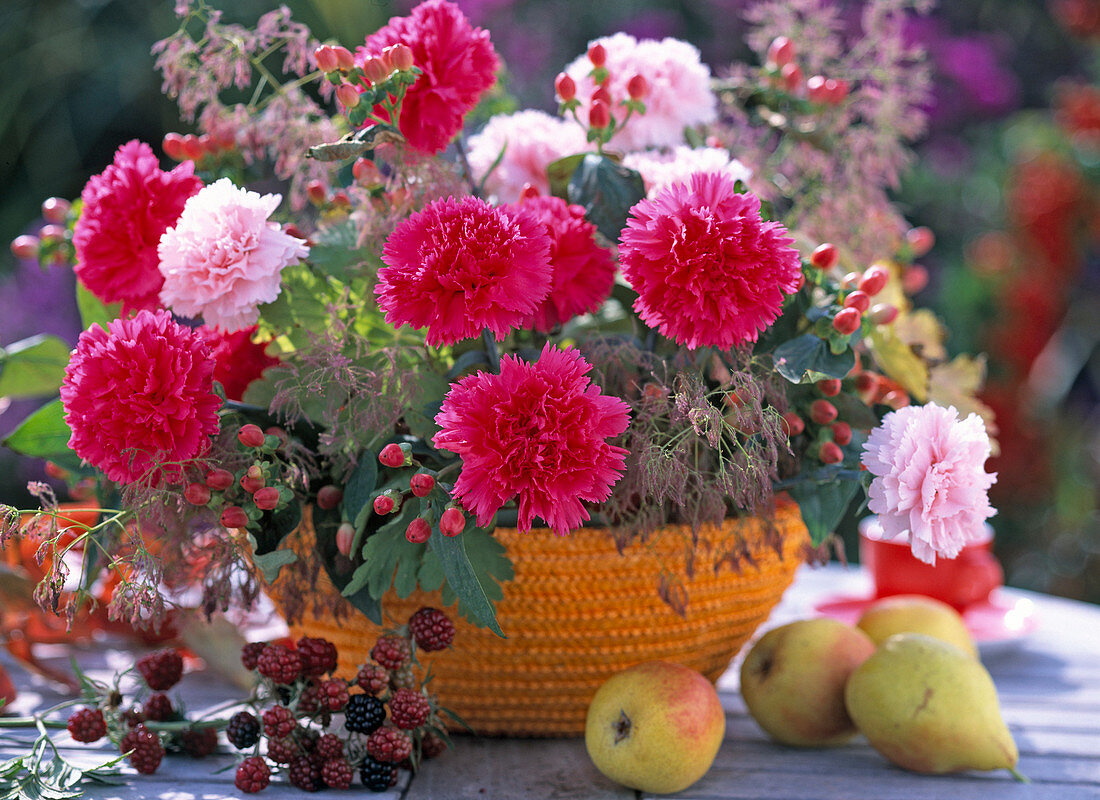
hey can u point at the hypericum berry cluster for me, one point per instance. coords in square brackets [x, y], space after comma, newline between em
[53, 244]
[423, 485]
[782, 64]
[206, 149]
[602, 124]
[381, 80]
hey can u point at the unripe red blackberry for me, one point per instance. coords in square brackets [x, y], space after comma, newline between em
[145, 749]
[199, 742]
[250, 654]
[418, 531]
[283, 751]
[280, 664]
[219, 479]
[822, 412]
[329, 746]
[253, 775]
[279, 722]
[409, 709]
[318, 655]
[432, 746]
[337, 773]
[251, 436]
[305, 774]
[452, 521]
[161, 670]
[157, 708]
[389, 745]
[243, 730]
[431, 629]
[421, 484]
[87, 725]
[372, 678]
[334, 694]
[391, 651]
[329, 496]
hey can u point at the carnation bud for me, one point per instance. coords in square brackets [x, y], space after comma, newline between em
[883, 314]
[326, 60]
[920, 240]
[830, 453]
[375, 70]
[528, 191]
[792, 77]
[421, 484]
[815, 89]
[348, 95]
[329, 496]
[599, 115]
[874, 280]
[402, 57]
[896, 399]
[637, 87]
[857, 300]
[824, 256]
[395, 455]
[251, 436]
[597, 54]
[345, 535]
[822, 412]
[793, 424]
[602, 94]
[234, 517]
[253, 479]
[219, 479]
[366, 172]
[847, 320]
[386, 502]
[172, 144]
[914, 278]
[419, 531]
[51, 234]
[266, 498]
[781, 51]
[197, 494]
[565, 87]
[842, 433]
[25, 246]
[452, 522]
[830, 387]
[55, 209]
[344, 59]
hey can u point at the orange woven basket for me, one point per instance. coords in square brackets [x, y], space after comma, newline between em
[578, 612]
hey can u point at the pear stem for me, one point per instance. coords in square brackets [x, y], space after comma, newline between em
[1019, 776]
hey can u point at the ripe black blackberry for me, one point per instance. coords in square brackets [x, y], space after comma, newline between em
[253, 775]
[145, 749]
[364, 713]
[376, 776]
[431, 629]
[161, 670]
[305, 773]
[337, 773]
[87, 725]
[243, 730]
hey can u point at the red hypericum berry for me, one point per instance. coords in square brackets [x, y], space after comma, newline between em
[157, 708]
[419, 531]
[842, 433]
[348, 95]
[372, 678]
[874, 280]
[234, 517]
[781, 51]
[25, 246]
[599, 115]
[896, 399]
[266, 499]
[366, 172]
[305, 774]
[793, 424]
[161, 670]
[603, 94]
[597, 55]
[565, 87]
[55, 209]
[393, 455]
[199, 742]
[850, 281]
[325, 58]
[279, 722]
[452, 521]
[637, 87]
[283, 751]
[792, 77]
[920, 240]
[251, 436]
[830, 387]
[824, 256]
[422, 484]
[145, 749]
[253, 479]
[385, 503]
[409, 709]
[219, 479]
[431, 629]
[822, 412]
[815, 89]
[402, 57]
[857, 300]
[318, 655]
[847, 320]
[376, 69]
[914, 278]
[345, 537]
[866, 382]
[56, 471]
[837, 89]
[391, 651]
[344, 59]
[337, 773]
[87, 725]
[317, 193]
[830, 453]
[250, 654]
[882, 314]
[51, 234]
[192, 147]
[172, 145]
[197, 494]
[389, 745]
[253, 775]
[280, 664]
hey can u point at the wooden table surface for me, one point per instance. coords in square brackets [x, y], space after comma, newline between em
[1049, 685]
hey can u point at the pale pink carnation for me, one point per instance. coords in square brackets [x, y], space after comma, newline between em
[537, 431]
[659, 169]
[531, 140]
[679, 89]
[930, 479]
[224, 259]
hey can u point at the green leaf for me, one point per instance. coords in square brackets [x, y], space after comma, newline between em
[360, 486]
[271, 563]
[93, 310]
[336, 252]
[325, 524]
[560, 172]
[472, 562]
[808, 358]
[607, 191]
[45, 434]
[33, 367]
[276, 527]
[823, 504]
[384, 550]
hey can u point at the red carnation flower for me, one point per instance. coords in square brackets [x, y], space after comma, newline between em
[583, 272]
[139, 398]
[538, 431]
[707, 269]
[126, 209]
[238, 360]
[459, 65]
[460, 266]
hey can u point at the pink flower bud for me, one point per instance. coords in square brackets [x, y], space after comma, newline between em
[345, 535]
[883, 314]
[172, 145]
[344, 59]
[597, 54]
[421, 484]
[830, 387]
[824, 256]
[842, 433]
[419, 531]
[329, 496]
[251, 436]
[196, 494]
[25, 246]
[55, 209]
[266, 498]
[822, 412]
[219, 479]
[234, 517]
[452, 522]
[326, 59]
[847, 320]
[874, 280]
[781, 51]
[637, 87]
[599, 115]
[857, 300]
[348, 95]
[830, 453]
[565, 87]
[402, 57]
[792, 77]
[253, 479]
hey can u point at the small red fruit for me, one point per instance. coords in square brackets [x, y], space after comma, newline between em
[830, 387]
[597, 54]
[401, 56]
[253, 479]
[55, 209]
[528, 192]
[831, 453]
[792, 77]
[389, 745]
[250, 654]
[822, 412]
[172, 145]
[452, 522]
[161, 670]
[565, 87]
[896, 399]
[329, 496]
[197, 494]
[419, 531]
[345, 535]
[920, 240]
[599, 115]
[781, 51]
[395, 456]
[816, 90]
[386, 502]
[431, 629]
[857, 300]
[824, 256]
[883, 314]
[874, 280]
[914, 278]
[847, 320]
[637, 87]
[325, 58]
[793, 424]
[373, 678]
[866, 382]
[344, 59]
[421, 484]
[391, 651]
[409, 709]
[602, 94]
[145, 749]
[87, 725]
[219, 479]
[842, 433]
[234, 517]
[251, 436]
[253, 775]
[279, 663]
[376, 69]
[266, 499]
[348, 95]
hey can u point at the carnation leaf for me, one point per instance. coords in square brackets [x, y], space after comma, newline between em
[383, 550]
[823, 504]
[360, 486]
[270, 563]
[33, 367]
[336, 252]
[808, 359]
[45, 434]
[607, 191]
[93, 310]
[472, 581]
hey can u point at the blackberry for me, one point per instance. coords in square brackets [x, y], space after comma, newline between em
[376, 776]
[334, 694]
[158, 708]
[132, 717]
[87, 725]
[250, 654]
[372, 678]
[279, 722]
[253, 775]
[282, 751]
[309, 701]
[279, 663]
[199, 742]
[318, 656]
[409, 709]
[389, 745]
[329, 746]
[431, 629]
[364, 713]
[243, 730]
[403, 678]
[391, 651]
[144, 748]
[432, 745]
[162, 670]
[336, 773]
[305, 773]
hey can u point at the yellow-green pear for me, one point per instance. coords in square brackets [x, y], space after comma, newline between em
[912, 613]
[928, 706]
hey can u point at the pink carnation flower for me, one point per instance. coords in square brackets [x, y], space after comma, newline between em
[679, 93]
[126, 209]
[530, 140]
[538, 431]
[139, 398]
[238, 359]
[707, 269]
[930, 479]
[459, 65]
[223, 259]
[660, 169]
[583, 272]
[462, 265]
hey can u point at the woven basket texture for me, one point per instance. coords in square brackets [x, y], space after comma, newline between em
[577, 612]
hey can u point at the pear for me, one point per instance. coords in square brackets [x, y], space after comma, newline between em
[926, 705]
[911, 613]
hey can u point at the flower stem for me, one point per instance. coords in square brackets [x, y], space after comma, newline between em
[491, 350]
